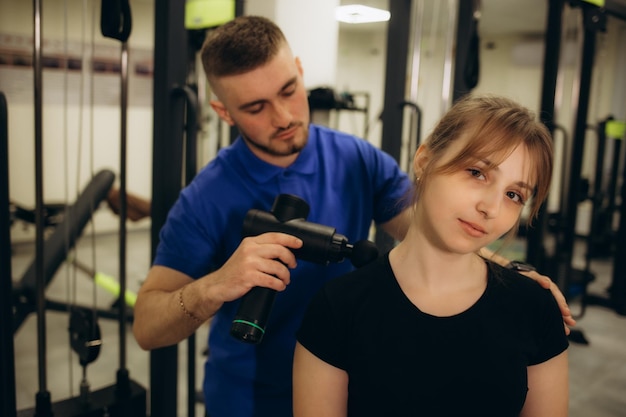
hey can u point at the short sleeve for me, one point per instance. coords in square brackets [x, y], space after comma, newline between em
[321, 332]
[550, 334]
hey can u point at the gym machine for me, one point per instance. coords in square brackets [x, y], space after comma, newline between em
[126, 397]
[323, 100]
[7, 358]
[602, 240]
[570, 280]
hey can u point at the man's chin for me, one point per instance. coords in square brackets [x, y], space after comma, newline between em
[288, 150]
[292, 144]
[286, 146]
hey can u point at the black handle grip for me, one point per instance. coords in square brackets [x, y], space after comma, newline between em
[251, 318]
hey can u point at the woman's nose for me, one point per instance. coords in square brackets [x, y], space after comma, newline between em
[489, 204]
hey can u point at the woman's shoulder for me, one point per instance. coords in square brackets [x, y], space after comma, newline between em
[514, 284]
[361, 280]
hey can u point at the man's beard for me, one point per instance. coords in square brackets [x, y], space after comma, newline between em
[294, 148]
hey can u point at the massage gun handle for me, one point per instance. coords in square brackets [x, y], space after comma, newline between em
[251, 318]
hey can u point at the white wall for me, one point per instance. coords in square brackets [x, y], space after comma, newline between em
[361, 69]
[311, 30]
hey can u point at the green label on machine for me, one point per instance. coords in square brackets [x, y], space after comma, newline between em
[615, 129]
[202, 14]
[599, 3]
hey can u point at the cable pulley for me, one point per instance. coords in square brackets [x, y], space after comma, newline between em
[84, 335]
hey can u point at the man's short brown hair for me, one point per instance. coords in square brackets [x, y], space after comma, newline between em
[240, 45]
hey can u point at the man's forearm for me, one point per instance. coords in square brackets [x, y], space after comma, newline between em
[159, 320]
[170, 307]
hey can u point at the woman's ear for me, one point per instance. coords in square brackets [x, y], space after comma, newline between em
[420, 160]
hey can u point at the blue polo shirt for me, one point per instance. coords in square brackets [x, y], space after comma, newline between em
[347, 182]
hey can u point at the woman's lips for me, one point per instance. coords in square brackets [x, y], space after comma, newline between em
[472, 229]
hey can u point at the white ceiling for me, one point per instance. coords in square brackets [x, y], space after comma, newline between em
[527, 17]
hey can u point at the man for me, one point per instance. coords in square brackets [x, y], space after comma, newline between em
[203, 267]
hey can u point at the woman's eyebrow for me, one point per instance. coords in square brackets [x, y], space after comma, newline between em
[523, 184]
[495, 167]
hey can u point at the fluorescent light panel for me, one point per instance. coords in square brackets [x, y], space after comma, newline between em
[357, 13]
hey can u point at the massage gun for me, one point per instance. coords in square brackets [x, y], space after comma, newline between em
[321, 244]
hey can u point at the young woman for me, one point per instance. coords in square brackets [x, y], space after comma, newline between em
[431, 328]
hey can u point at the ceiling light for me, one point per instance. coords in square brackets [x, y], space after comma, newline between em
[357, 13]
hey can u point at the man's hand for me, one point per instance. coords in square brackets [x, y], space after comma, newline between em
[543, 280]
[259, 261]
[547, 283]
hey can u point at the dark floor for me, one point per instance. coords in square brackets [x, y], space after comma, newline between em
[597, 370]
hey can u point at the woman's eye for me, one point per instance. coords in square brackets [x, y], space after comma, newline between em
[477, 173]
[517, 197]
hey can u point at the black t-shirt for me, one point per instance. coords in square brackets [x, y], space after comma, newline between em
[403, 362]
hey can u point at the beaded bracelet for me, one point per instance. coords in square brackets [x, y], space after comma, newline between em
[182, 306]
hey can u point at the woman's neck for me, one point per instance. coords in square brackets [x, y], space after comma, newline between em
[437, 281]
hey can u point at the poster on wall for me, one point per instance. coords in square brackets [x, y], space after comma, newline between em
[71, 67]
